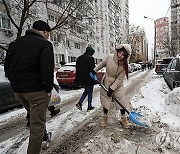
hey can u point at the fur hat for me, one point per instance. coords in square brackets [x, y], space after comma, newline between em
[41, 26]
[126, 46]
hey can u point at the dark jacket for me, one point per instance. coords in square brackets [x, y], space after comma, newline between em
[29, 63]
[84, 65]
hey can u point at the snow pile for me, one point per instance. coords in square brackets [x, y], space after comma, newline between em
[149, 102]
[173, 100]
[169, 140]
[108, 141]
[159, 106]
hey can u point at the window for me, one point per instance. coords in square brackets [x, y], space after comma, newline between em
[173, 65]
[77, 46]
[2, 55]
[57, 2]
[5, 23]
[79, 30]
[52, 18]
[51, 36]
[95, 60]
[71, 59]
[98, 49]
[58, 58]
[67, 43]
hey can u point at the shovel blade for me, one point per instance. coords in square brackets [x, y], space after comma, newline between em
[135, 118]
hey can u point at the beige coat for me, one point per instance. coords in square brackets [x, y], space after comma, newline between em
[113, 78]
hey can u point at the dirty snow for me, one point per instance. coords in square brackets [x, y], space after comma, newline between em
[155, 101]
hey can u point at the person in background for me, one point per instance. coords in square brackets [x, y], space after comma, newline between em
[84, 65]
[55, 98]
[116, 69]
[29, 66]
[62, 63]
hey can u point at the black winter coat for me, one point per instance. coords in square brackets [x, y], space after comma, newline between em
[29, 63]
[84, 65]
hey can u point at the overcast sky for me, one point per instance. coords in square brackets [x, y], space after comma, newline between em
[151, 8]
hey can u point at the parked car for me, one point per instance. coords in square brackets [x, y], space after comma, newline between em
[130, 68]
[139, 67]
[160, 67]
[67, 73]
[134, 66]
[172, 73]
[7, 98]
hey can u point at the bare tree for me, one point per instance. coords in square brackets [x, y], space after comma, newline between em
[22, 10]
[134, 40]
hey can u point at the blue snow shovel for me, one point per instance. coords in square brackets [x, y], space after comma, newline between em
[133, 116]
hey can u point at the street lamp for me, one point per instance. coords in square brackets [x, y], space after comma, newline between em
[154, 60]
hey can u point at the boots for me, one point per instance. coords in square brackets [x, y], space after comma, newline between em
[103, 120]
[124, 121]
[53, 111]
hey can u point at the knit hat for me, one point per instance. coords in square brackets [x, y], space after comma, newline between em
[41, 26]
[90, 51]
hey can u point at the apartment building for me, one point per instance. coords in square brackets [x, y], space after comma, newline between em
[97, 23]
[139, 44]
[162, 39]
[175, 27]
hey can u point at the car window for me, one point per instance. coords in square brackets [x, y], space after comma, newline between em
[2, 75]
[178, 64]
[173, 65]
[69, 68]
[159, 61]
[169, 66]
[166, 61]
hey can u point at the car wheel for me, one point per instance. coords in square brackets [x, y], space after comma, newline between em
[63, 87]
[174, 85]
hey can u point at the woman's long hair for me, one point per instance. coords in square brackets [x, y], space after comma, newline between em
[125, 64]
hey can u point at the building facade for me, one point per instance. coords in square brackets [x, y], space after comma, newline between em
[162, 38]
[139, 44]
[98, 23]
[175, 27]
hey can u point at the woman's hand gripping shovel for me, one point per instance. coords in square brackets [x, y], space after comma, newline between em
[133, 116]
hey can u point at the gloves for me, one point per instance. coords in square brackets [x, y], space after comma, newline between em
[93, 75]
[56, 87]
[110, 92]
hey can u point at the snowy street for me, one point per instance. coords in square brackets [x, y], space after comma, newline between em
[77, 131]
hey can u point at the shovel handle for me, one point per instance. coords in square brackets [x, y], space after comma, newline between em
[117, 101]
[93, 76]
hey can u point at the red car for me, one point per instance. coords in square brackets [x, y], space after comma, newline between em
[67, 73]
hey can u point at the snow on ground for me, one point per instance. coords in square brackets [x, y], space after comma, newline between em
[155, 101]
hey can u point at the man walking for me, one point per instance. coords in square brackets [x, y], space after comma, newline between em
[29, 66]
[84, 65]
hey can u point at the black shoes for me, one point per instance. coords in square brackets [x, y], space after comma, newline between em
[91, 108]
[54, 112]
[79, 106]
[45, 143]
